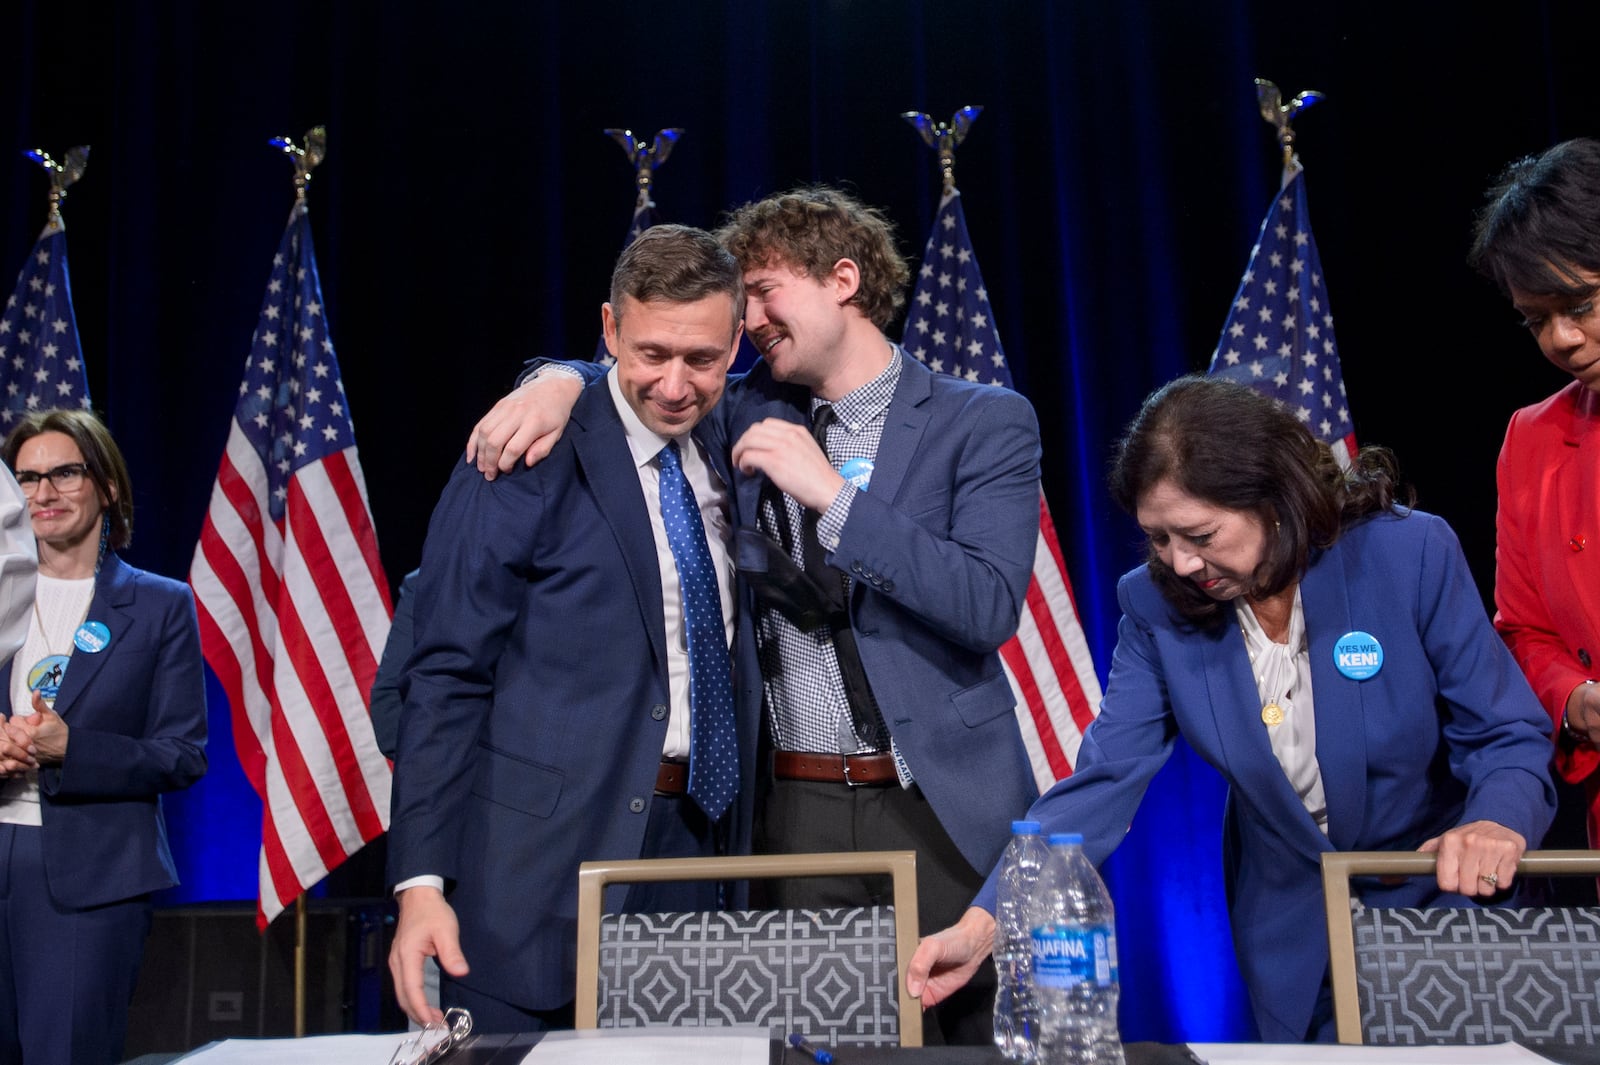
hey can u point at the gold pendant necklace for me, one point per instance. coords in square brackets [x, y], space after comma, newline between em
[1271, 711]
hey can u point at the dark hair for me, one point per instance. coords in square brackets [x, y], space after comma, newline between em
[107, 468]
[810, 229]
[1541, 224]
[678, 264]
[1227, 444]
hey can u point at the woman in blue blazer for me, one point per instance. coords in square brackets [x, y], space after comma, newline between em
[107, 711]
[1327, 651]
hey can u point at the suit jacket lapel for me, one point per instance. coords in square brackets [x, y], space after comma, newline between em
[601, 448]
[1341, 702]
[1258, 780]
[903, 426]
[1576, 492]
[112, 606]
[761, 396]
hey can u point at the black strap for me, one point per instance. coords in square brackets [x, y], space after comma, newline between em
[832, 580]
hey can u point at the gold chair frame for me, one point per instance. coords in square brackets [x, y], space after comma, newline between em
[1339, 866]
[899, 866]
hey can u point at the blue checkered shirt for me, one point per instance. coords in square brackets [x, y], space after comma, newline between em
[805, 694]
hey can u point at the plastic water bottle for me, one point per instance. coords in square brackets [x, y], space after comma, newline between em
[1074, 960]
[1016, 1010]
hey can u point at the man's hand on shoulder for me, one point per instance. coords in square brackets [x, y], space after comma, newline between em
[525, 423]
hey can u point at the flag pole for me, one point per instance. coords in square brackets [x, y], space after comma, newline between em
[645, 157]
[1280, 116]
[305, 159]
[45, 367]
[62, 175]
[951, 329]
[944, 137]
[300, 965]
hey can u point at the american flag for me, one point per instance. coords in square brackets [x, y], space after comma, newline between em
[644, 216]
[951, 329]
[1279, 334]
[294, 606]
[41, 362]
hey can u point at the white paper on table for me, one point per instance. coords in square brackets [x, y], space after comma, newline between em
[653, 1046]
[310, 1050]
[1345, 1054]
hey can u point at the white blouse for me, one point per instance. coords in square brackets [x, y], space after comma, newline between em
[1283, 677]
[59, 609]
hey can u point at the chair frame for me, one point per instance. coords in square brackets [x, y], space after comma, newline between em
[900, 866]
[1339, 866]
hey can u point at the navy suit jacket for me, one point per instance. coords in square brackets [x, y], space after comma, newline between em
[1445, 733]
[137, 718]
[536, 702]
[940, 550]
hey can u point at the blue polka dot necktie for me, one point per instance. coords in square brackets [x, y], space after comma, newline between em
[713, 747]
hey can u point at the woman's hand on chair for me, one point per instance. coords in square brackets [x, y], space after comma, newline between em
[1476, 859]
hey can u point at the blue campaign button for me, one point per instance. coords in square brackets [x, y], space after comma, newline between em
[92, 637]
[1358, 655]
[858, 472]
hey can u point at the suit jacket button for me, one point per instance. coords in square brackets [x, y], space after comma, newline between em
[658, 711]
[636, 805]
[888, 586]
[855, 567]
[1583, 658]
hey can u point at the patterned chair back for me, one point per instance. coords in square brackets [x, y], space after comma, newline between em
[828, 973]
[1462, 975]
[837, 976]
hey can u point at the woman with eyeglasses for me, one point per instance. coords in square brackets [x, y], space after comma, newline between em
[107, 712]
[1537, 237]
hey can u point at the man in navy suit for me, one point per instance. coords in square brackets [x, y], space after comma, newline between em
[890, 720]
[548, 715]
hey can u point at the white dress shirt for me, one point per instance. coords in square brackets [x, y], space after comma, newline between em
[712, 497]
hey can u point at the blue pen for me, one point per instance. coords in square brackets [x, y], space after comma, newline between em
[818, 1055]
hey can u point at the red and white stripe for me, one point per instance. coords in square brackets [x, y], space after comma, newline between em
[1049, 665]
[293, 618]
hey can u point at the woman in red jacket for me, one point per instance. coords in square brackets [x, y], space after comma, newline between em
[1538, 239]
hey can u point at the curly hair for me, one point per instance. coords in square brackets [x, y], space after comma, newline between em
[809, 229]
[1540, 225]
[107, 468]
[1227, 444]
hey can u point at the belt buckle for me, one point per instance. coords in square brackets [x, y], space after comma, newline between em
[848, 782]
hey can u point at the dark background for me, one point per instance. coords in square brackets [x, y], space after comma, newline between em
[470, 208]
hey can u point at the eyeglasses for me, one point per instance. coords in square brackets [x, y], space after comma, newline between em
[435, 1040]
[67, 477]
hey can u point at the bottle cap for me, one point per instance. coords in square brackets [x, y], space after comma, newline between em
[1066, 839]
[1026, 828]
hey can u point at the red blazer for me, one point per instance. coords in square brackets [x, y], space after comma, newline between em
[1547, 562]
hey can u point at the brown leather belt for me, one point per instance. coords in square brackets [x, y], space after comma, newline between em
[672, 778]
[854, 769]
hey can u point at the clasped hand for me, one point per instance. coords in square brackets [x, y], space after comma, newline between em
[30, 741]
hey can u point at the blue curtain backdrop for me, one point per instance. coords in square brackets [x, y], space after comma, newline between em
[469, 210]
